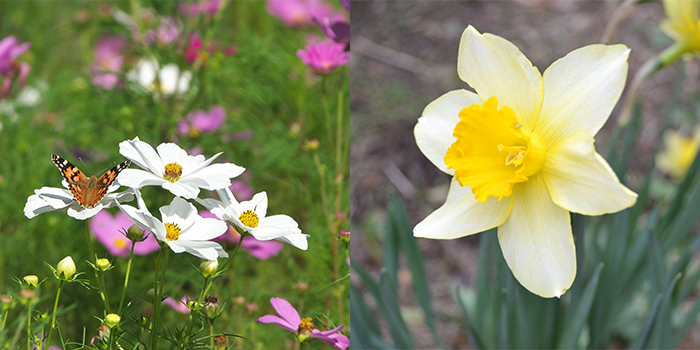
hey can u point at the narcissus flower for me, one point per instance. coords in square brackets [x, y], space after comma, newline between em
[679, 153]
[303, 328]
[182, 229]
[521, 153]
[683, 25]
[173, 169]
[250, 216]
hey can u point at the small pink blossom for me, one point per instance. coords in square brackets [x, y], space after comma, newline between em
[108, 60]
[295, 13]
[199, 121]
[193, 49]
[210, 7]
[179, 306]
[303, 328]
[10, 49]
[168, 32]
[109, 229]
[262, 250]
[241, 190]
[325, 56]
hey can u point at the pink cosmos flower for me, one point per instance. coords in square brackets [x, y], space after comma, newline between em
[108, 229]
[168, 32]
[10, 48]
[200, 121]
[108, 60]
[303, 328]
[241, 190]
[262, 250]
[210, 7]
[325, 56]
[196, 47]
[338, 31]
[345, 4]
[295, 13]
[179, 306]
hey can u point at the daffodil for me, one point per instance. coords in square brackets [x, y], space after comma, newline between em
[521, 153]
[683, 25]
[679, 153]
[174, 169]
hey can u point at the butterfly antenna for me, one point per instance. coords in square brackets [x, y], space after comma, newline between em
[85, 166]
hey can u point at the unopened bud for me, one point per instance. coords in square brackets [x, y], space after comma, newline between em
[30, 281]
[150, 294]
[239, 300]
[208, 268]
[212, 308]
[192, 304]
[65, 268]
[301, 287]
[312, 145]
[344, 235]
[134, 233]
[294, 129]
[112, 320]
[221, 342]
[103, 264]
[6, 301]
[26, 295]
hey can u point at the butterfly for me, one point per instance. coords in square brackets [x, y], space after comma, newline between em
[88, 191]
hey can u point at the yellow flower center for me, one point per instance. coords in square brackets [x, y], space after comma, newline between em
[306, 324]
[120, 243]
[173, 171]
[172, 231]
[493, 150]
[194, 132]
[249, 218]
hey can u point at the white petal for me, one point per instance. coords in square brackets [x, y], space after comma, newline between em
[184, 83]
[273, 227]
[227, 197]
[536, 241]
[137, 178]
[76, 211]
[297, 240]
[580, 180]
[210, 203]
[47, 199]
[168, 78]
[435, 127]
[145, 219]
[203, 249]
[581, 90]
[142, 154]
[182, 189]
[204, 229]
[220, 170]
[171, 153]
[463, 215]
[493, 66]
[259, 200]
[146, 72]
[178, 209]
[199, 164]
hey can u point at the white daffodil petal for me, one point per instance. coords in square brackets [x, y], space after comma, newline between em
[495, 67]
[435, 127]
[580, 180]
[297, 240]
[581, 90]
[463, 215]
[536, 241]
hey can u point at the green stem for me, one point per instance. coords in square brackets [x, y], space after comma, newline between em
[327, 114]
[211, 334]
[53, 318]
[156, 301]
[126, 278]
[112, 338]
[4, 320]
[93, 261]
[29, 325]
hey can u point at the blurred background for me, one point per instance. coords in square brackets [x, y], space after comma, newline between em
[404, 55]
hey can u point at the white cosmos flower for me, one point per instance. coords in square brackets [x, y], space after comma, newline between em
[174, 169]
[182, 229]
[52, 198]
[250, 217]
[167, 80]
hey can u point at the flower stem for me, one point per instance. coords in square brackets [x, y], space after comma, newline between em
[211, 335]
[53, 318]
[93, 260]
[126, 278]
[194, 312]
[156, 302]
[29, 325]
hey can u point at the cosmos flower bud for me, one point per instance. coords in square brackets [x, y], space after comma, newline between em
[192, 304]
[103, 264]
[112, 320]
[65, 268]
[344, 236]
[301, 287]
[208, 268]
[30, 281]
[212, 308]
[134, 233]
[150, 294]
[312, 145]
[26, 295]
[5, 301]
[221, 342]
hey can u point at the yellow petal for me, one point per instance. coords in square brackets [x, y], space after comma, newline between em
[434, 129]
[463, 215]
[682, 13]
[580, 180]
[537, 243]
[494, 67]
[581, 89]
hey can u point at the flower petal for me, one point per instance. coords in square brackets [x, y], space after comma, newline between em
[205, 229]
[297, 239]
[463, 215]
[47, 199]
[536, 241]
[185, 189]
[142, 154]
[494, 67]
[286, 311]
[580, 180]
[171, 153]
[436, 126]
[278, 321]
[202, 249]
[581, 90]
[275, 226]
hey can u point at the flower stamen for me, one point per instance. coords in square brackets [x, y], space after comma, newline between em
[172, 231]
[306, 324]
[173, 171]
[249, 218]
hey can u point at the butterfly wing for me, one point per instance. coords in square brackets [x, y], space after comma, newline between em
[105, 181]
[74, 177]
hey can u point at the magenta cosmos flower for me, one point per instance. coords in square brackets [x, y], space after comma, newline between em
[303, 328]
[295, 13]
[262, 250]
[108, 229]
[210, 7]
[325, 56]
[200, 121]
[178, 305]
[10, 48]
[168, 32]
[108, 60]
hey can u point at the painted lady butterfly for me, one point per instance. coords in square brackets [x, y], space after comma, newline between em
[88, 191]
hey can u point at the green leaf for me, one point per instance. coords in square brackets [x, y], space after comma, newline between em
[392, 312]
[575, 324]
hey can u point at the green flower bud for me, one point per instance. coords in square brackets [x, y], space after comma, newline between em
[65, 268]
[112, 320]
[30, 281]
[103, 264]
[208, 268]
[134, 233]
[212, 308]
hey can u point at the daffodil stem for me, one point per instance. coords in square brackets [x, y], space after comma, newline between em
[93, 261]
[621, 13]
[53, 317]
[126, 278]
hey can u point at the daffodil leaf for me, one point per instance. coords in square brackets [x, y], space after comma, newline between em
[572, 331]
